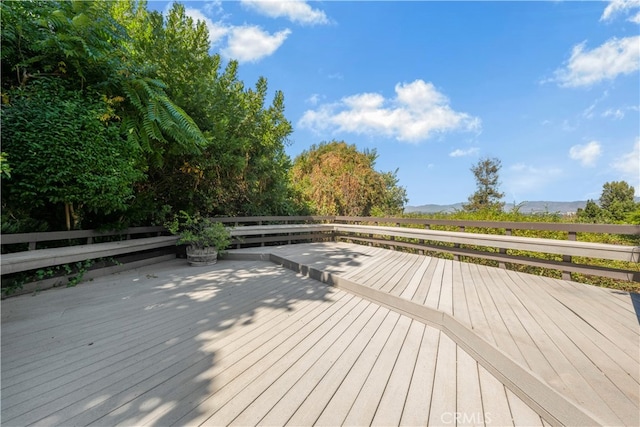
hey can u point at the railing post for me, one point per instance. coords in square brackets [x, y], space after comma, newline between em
[566, 275]
[32, 246]
[393, 238]
[502, 264]
[421, 241]
[457, 245]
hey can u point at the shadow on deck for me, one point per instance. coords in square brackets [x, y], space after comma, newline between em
[142, 346]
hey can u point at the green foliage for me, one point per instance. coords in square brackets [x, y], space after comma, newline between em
[196, 137]
[617, 205]
[242, 169]
[617, 199]
[63, 152]
[487, 197]
[5, 169]
[634, 217]
[73, 273]
[334, 178]
[74, 40]
[199, 232]
[591, 213]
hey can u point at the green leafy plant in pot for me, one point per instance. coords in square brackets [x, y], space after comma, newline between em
[205, 238]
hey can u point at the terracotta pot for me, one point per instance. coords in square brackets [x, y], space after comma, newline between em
[201, 256]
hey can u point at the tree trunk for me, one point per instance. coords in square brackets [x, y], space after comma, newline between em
[67, 215]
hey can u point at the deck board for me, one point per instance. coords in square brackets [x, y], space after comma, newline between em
[468, 395]
[581, 340]
[443, 397]
[389, 410]
[310, 397]
[249, 342]
[366, 405]
[418, 402]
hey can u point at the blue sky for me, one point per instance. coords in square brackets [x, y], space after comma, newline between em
[551, 88]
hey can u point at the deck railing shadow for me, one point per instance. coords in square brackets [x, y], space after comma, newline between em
[635, 300]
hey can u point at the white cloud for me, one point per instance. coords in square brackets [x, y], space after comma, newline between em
[616, 114]
[523, 179]
[629, 166]
[586, 154]
[617, 7]
[568, 126]
[415, 114]
[217, 30]
[613, 58]
[213, 7]
[314, 99]
[294, 10]
[461, 153]
[247, 43]
[251, 43]
[588, 113]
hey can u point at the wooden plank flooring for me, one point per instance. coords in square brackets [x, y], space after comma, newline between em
[581, 340]
[239, 343]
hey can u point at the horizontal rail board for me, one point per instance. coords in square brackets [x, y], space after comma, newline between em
[509, 225]
[560, 247]
[8, 239]
[256, 230]
[283, 219]
[31, 260]
[612, 273]
[281, 238]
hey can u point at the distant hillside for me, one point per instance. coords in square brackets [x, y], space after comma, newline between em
[526, 207]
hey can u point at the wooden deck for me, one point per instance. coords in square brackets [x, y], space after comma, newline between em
[249, 342]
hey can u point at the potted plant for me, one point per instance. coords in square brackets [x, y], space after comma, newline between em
[204, 237]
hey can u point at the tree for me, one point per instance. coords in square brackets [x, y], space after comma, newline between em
[65, 149]
[335, 178]
[487, 196]
[591, 213]
[243, 168]
[82, 46]
[81, 43]
[617, 199]
[394, 198]
[617, 204]
[196, 137]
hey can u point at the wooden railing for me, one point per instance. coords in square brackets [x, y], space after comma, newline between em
[28, 254]
[489, 240]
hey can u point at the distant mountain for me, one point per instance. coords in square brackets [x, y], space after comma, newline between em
[525, 207]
